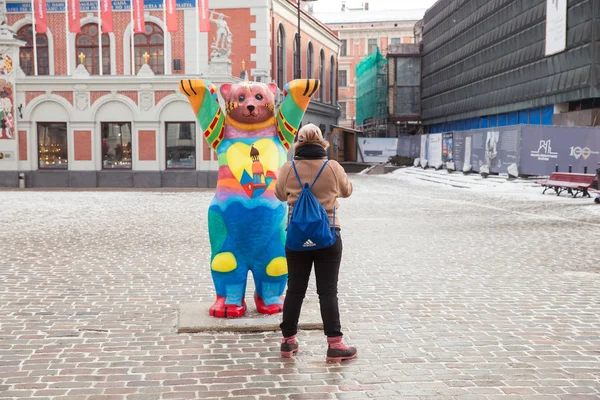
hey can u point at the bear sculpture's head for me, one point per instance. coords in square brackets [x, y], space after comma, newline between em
[249, 102]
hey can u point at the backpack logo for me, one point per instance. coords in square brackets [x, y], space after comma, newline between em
[309, 243]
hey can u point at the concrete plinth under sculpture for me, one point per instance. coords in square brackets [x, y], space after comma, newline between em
[220, 69]
[194, 318]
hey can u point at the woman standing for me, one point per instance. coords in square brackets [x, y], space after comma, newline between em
[309, 156]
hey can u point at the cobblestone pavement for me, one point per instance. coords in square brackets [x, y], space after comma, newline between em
[447, 293]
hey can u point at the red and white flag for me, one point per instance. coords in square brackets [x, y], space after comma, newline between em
[204, 19]
[74, 24]
[171, 15]
[107, 15]
[138, 16]
[39, 16]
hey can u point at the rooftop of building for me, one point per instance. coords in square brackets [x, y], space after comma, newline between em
[364, 16]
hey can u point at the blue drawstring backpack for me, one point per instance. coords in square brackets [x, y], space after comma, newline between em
[308, 228]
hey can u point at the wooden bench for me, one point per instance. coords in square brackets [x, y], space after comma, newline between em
[574, 184]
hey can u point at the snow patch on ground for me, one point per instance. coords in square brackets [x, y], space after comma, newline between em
[519, 189]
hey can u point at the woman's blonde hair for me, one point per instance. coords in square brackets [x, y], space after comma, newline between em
[310, 134]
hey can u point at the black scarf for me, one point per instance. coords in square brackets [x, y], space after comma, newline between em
[310, 152]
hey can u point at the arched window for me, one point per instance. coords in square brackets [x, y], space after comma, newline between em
[332, 84]
[296, 58]
[280, 57]
[26, 52]
[151, 45]
[322, 75]
[309, 62]
[87, 44]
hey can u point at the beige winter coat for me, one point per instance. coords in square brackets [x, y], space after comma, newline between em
[332, 183]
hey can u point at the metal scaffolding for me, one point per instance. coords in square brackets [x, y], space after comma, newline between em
[372, 95]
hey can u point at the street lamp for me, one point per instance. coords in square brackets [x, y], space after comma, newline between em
[298, 67]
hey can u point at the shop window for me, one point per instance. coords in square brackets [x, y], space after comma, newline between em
[181, 145]
[26, 51]
[87, 44]
[52, 145]
[116, 145]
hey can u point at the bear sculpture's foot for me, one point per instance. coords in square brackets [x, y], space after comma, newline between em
[262, 308]
[221, 310]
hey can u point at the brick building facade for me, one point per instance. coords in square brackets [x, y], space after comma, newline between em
[129, 126]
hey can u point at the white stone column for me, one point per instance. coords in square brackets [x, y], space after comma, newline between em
[262, 57]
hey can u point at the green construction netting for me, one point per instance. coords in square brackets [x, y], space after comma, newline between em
[371, 88]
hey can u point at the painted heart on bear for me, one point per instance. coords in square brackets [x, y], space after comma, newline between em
[254, 166]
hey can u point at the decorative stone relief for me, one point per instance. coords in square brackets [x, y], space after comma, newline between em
[146, 100]
[81, 101]
[82, 96]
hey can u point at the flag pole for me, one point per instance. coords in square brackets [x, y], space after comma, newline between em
[100, 36]
[198, 37]
[35, 66]
[67, 37]
[166, 30]
[132, 40]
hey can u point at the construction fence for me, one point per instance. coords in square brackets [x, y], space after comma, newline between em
[534, 150]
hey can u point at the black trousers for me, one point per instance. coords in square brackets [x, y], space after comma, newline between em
[327, 267]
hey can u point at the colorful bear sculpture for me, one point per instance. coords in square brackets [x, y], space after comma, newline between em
[246, 222]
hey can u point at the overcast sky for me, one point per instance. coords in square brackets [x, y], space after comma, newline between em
[335, 5]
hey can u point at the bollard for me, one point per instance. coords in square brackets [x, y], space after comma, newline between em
[21, 180]
[556, 168]
[570, 168]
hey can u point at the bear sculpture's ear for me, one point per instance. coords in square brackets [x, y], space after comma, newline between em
[225, 89]
[273, 88]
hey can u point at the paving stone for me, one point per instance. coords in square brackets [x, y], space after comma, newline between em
[447, 293]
